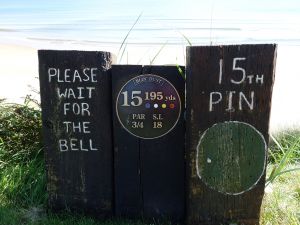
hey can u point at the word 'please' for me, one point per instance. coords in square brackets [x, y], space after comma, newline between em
[72, 75]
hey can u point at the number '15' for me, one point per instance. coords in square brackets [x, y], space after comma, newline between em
[136, 99]
[234, 68]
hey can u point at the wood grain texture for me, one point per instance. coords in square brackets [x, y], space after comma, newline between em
[204, 204]
[78, 178]
[149, 174]
[128, 187]
[231, 157]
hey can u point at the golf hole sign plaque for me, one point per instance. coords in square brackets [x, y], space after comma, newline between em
[148, 106]
[149, 129]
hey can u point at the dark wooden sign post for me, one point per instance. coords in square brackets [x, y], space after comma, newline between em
[76, 107]
[229, 92]
[149, 133]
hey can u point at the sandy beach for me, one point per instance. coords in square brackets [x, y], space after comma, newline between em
[18, 72]
[19, 76]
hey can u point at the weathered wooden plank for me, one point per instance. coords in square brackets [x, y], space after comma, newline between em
[76, 109]
[128, 193]
[148, 115]
[226, 84]
[162, 159]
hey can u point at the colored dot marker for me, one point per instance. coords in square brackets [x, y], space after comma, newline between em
[147, 105]
[172, 106]
[164, 106]
[155, 105]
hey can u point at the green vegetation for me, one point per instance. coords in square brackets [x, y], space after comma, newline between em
[281, 205]
[285, 152]
[124, 42]
[22, 177]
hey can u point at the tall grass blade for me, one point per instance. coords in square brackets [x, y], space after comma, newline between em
[186, 38]
[277, 143]
[140, 60]
[180, 71]
[285, 160]
[124, 40]
[159, 51]
[123, 53]
[289, 170]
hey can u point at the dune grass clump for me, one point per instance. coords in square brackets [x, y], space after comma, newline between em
[22, 176]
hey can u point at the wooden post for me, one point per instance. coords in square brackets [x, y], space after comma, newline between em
[76, 108]
[149, 141]
[229, 91]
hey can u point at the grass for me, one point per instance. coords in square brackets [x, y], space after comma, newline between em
[36, 216]
[22, 178]
[281, 204]
[124, 44]
[285, 151]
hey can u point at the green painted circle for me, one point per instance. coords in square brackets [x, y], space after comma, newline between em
[231, 157]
